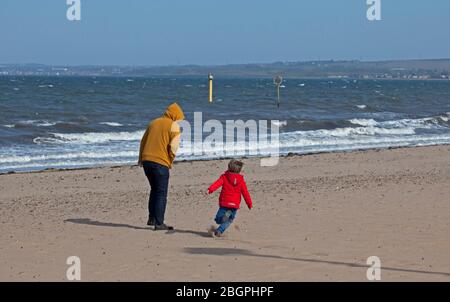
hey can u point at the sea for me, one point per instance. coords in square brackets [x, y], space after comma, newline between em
[74, 122]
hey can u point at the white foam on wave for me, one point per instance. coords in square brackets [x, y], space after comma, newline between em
[38, 123]
[326, 140]
[112, 124]
[299, 142]
[344, 132]
[364, 122]
[63, 164]
[361, 106]
[66, 156]
[421, 123]
[315, 144]
[279, 123]
[368, 127]
[96, 148]
[89, 137]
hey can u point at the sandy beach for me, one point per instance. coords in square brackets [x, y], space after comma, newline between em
[315, 218]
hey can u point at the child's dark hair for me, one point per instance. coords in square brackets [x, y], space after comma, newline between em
[235, 166]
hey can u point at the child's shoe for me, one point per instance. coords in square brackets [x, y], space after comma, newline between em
[211, 230]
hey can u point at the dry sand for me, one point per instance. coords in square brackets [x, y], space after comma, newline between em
[316, 218]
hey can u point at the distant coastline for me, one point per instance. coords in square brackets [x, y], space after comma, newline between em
[430, 69]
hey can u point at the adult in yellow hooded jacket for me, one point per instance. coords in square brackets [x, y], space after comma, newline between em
[158, 148]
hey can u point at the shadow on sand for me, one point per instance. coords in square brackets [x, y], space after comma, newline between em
[88, 221]
[242, 252]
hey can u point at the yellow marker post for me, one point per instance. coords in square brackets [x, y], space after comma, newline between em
[210, 78]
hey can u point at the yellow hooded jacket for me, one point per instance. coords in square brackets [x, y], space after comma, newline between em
[162, 137]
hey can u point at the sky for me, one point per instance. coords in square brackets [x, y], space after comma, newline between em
[215, 32]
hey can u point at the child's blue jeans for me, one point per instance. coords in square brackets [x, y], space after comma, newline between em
[225, 217]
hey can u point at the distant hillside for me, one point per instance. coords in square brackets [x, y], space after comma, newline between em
[406, 69]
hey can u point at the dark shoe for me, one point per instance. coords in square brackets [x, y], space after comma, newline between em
[163, 227]
[151, 221]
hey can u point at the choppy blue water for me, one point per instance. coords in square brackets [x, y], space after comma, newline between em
[66, 122]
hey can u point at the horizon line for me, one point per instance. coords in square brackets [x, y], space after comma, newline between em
[222, 65]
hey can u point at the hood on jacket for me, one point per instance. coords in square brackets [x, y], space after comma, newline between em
[234, 178]
[174, 112]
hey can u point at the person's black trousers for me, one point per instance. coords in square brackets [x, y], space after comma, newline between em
[158, 177]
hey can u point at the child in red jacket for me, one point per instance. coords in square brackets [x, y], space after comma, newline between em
[233, 186]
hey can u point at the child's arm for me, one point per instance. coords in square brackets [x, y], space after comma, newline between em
[246, 194]
[217, 184]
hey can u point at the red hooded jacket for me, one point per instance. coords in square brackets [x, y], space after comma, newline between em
[233, 186]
